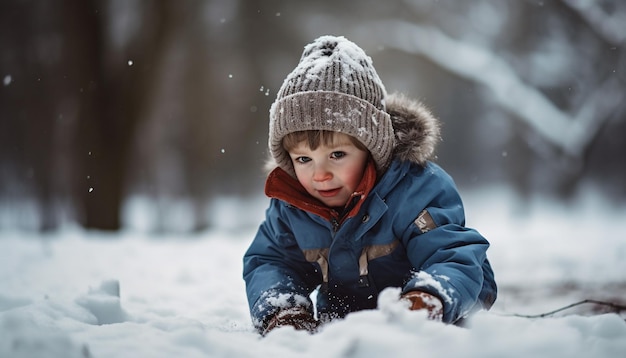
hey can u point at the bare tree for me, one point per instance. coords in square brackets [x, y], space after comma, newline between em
[570, 132]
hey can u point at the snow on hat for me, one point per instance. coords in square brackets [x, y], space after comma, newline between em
[336, 88]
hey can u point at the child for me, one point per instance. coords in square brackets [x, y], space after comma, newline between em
[356, 205]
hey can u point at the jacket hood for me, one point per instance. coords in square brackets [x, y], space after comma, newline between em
[416, 129]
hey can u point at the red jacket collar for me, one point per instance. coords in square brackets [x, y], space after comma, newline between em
[281, 185]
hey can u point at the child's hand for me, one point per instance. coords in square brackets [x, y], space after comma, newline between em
[424, 301]
[297, 317]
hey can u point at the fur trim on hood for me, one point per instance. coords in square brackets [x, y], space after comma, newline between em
[416, 129]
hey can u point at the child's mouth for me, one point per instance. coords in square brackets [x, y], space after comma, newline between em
[329, 193]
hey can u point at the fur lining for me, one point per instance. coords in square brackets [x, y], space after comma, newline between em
[270, 164]
[417, 130]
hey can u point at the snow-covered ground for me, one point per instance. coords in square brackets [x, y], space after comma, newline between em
[132, 294]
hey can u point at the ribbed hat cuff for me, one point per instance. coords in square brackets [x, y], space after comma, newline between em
[332, 111]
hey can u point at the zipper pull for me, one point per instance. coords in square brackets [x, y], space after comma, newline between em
[335, 223]
[334, 220]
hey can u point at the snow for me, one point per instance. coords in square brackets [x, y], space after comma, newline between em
[331, 49]
[77, 293]
[425, 279]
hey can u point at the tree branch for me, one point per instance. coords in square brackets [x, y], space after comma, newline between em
[571, 133]
[610, 26]
[617, 307]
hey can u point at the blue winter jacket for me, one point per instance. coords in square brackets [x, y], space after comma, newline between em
[409, 232]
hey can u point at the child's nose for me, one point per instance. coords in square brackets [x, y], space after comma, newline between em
[321, 173]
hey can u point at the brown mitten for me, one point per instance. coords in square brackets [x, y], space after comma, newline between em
[424, 301]
[296, 317]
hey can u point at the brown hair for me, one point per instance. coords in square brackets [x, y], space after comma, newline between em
[315, 138]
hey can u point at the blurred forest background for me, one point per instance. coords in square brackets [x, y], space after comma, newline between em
[105, 101]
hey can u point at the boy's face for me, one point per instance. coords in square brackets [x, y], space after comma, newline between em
[330, 173]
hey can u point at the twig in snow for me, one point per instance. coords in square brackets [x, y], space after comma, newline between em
[617, 307]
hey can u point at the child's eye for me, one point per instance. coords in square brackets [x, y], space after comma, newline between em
[302, 160]
[337, 155]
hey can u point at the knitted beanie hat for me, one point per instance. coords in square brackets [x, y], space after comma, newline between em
[335, 88]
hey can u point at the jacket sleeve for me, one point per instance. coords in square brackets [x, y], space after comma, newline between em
[448, 258]
[275, 271]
